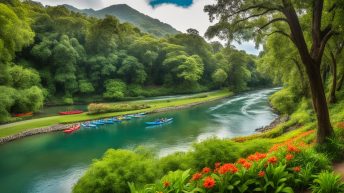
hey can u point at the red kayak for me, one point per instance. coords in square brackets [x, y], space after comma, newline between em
[72, 129]
[24, 114]
[71, 112]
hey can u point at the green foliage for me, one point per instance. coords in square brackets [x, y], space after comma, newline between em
[208, 152]
[15, 33]
[284, 101]
[176, 161]
[334, 147]
[115, 170]
[219, 76]
[22, 78]
[85, 86]
[7, 100]
[98, 108]
[115, 89]
[328, 182]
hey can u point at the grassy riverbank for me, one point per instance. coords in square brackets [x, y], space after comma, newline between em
[161, 105]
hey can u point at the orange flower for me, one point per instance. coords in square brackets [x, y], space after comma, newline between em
[247, 165]
[257, 156]
[228, 168]
[166, 184]
[289, 157]
[261, 174]
[242, 161]
[292, 148]
[297, 169]
[209, 182]
[272, 160]
[196, 176]
[206, 170]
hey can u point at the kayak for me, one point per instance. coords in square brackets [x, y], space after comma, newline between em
[159, 122]
[72, 129]
[23, 114]
[71, 112]
[88, 125]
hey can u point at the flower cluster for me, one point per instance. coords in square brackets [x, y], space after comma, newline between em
[258, 167]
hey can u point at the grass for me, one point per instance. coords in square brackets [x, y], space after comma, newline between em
[15, 128]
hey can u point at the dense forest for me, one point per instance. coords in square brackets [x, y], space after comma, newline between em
[54, 55]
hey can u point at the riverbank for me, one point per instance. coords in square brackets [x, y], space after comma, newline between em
[22, 129]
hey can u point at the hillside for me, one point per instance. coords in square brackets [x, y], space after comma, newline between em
[127, 14]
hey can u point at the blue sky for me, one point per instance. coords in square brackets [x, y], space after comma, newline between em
[181, 3]
[181, 14]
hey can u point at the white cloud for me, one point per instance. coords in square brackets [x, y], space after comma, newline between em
[178, 17]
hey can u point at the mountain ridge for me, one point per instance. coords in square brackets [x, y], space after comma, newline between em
[125, 13]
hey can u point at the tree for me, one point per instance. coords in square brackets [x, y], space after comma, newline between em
[115, 89]
[192, 31]
[132, 70]
[15, 33]
[241, 19]
[219, 76]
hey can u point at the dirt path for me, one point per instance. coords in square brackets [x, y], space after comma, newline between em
[339, 168]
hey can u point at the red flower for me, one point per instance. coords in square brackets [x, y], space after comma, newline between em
[217, 164]
[206, 170]
[289, 157]
[257, 156]
[261, 174]
[166, 184]
[272, 160]
[242, 161]
[292, 148]
[196, 176]
[228, 168]
[297, 169]
[209, 182]
[247, 165]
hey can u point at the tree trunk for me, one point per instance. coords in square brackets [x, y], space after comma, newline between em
[332, 98]
[312, 61]
[320, 105]
[340, 83]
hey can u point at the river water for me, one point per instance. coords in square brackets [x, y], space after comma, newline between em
[52, 163]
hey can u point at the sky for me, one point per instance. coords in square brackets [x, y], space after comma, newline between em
[181, 14]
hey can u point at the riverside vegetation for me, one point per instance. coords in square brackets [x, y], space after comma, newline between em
[56, 56]
[302, 41]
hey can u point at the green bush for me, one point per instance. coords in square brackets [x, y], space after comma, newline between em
[319, 160]
[98, 108]
[334, 147]
[115, 170]
[68, 100]
[284, 101]
[115, 89]
[328, 182]
[210, 151]
[176, 161]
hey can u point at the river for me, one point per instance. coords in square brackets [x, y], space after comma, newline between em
[52, 163]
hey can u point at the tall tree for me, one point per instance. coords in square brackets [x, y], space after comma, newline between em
[255, 19]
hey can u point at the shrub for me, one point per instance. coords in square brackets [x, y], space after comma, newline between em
[310, 155]
[98, 108]
[284, 101]
[68, 100]
[328, 182]
[334, 147]
[176, 161]
[115, 170]
[115, 89]
[210, 151]
[276, 171]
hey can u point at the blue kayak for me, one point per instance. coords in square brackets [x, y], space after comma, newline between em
[158, 122]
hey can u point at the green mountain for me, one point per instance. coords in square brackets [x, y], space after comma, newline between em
[127, 14]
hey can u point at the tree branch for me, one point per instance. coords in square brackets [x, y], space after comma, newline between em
[282, 33]
[272, 21]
